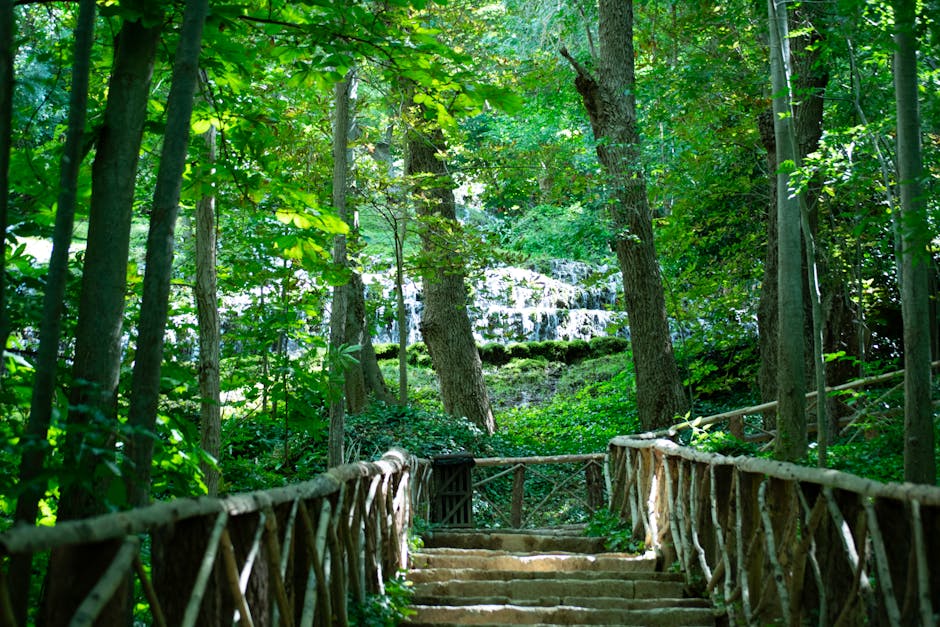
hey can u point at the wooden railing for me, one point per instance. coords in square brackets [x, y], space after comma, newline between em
[853, 405]
[287, 556]
[543, 491]
[776, 543]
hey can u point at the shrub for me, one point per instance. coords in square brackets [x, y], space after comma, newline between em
[494, 354]
[420, 432]
[579, 422]
[608, 345]
[385, 610]
[259, 452]
[417, 355]
[617, 534]
[518, 350]
[385, 351]
[577, 350]
[721, 442]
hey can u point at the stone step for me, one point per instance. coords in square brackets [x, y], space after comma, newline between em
[554, 587]
[560, 615]
[513, 541]
[522, 561]
[423, 575]
[594, 602]
[510, 578]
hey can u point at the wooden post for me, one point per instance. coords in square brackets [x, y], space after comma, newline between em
[595, 486]
[518, 495]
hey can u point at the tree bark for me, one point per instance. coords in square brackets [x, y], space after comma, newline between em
[767, 320]
[47, 362]
[354, 380]
[919, 461]
[91, 420]
[104, 278]
[145, 383]
[611, 105]
[808, 81]
[7, 85]
[401, 312]
[445, 322]
[342, 95]
[207, 314]
[791, 414]
[364, 380]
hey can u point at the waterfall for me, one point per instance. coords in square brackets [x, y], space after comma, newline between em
[563, 300]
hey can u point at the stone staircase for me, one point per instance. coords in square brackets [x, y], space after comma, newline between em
[544, 578]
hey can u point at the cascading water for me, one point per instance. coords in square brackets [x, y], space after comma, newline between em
[569, 301]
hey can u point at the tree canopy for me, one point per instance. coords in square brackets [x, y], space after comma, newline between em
[496, 101]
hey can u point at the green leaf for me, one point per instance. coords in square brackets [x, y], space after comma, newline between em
[201, 126]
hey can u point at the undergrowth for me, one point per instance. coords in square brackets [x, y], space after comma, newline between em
[617, 533]
[384, 610]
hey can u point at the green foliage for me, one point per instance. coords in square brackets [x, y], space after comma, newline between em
[878, 455]
[547, 231]
[418, 355]
[715, 365]
[420, 432]
[582, 417]
[560, 351]
[520, 383]
[618, 534]
[873, 447]
[608, 345]
[517, 131]
[493, 354]
[715, 440]
[259, 452]
[385, 610]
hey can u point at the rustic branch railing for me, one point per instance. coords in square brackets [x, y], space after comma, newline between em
[286, 556]
[583, 485]
[735, 417]
[778, 543]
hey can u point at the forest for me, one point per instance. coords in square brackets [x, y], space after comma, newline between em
[246, 241]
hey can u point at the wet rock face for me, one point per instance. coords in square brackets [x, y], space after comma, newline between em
[563, 300]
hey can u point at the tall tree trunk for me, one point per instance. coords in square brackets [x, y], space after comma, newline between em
[207, 313]
[807, 83]
[767, 318]
[7, 85]
[375, 381]
[790, 443]
[919, 462]
[342, 95]
[104, 279]
[145, 383]
[91, 420]
[356, 334]
[364, 379]
[829, 327]
[445, 322]
[401, 313]
[610, 101]
[47, 362]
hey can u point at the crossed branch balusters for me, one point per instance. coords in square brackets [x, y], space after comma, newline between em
[744, 529]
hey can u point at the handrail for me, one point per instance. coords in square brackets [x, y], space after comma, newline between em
[294, 552]
[537, 460]
[776, 542]
[701, 421]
